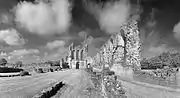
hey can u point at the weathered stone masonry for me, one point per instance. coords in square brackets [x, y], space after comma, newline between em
[123, 47]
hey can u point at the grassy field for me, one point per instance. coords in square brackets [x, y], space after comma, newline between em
[77, 83]
[144, 90]
[26, 87]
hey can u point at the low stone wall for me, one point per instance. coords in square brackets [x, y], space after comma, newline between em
[126, 72]
[148, 77]
[9, 74]
[50, 91]
[112, 87]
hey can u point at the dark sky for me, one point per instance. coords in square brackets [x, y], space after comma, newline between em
[157, 37]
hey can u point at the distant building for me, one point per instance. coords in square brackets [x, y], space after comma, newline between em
[76, 58]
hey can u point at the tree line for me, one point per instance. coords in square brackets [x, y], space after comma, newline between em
[167, 59]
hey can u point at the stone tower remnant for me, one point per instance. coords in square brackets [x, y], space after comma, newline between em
[123, 47]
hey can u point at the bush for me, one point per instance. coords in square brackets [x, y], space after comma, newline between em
[65, 65]
[3, 62]
[107, 71]
[51, 70]
[9, 70]
[24, 73]
[40, 70]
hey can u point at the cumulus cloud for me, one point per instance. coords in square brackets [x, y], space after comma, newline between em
[55, 44]
[11, 37]
[160, 49]
[3, 54]
[20, 54]
[24, 52]
[176, 31]
[111, 16]
[6, 18]
[55, 55]
[44, 18]
[82, 34]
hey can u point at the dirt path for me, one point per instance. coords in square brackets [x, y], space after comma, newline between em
[26, 87]
[77, 87]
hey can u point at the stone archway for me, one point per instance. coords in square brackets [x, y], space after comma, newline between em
[77, 65]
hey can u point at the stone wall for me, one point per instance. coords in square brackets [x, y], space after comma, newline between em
[158, 78]
[125, 72]
[130, 34]
[122, 50]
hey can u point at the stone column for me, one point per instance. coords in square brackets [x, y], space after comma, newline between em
[74, 54]
[62, 60]
[81, 54]
[77, 54]
[132, 43]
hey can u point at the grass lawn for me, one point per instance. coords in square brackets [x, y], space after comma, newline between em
[26, 87]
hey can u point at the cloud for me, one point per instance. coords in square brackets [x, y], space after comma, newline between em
[6, 18]
[111, 16]
[82, 34]
[55, 55]
[3, 54]
[155, 51]
[55, 44]
[176, 31]
[11, 37]
[44, 18]
[24, 52]
[20, 54]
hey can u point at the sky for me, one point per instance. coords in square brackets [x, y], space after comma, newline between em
[35, 31]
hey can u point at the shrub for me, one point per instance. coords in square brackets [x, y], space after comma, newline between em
[9, 70]
[51, 70]
[24, 73]
[40, 70]
[3, 62]
[65, 65]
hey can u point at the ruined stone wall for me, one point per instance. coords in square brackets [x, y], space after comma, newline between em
[123, 48]
[119, 53]
[133, 44]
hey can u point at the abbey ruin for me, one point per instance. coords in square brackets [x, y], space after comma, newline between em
[122, 49]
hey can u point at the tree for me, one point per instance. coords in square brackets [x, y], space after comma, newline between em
[144, 63]
[65, 65]
[3, 62]
[54, 63]
[40, 70]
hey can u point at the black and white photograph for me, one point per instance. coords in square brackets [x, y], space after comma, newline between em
[89, 48]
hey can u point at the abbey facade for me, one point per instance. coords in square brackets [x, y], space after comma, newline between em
[77, 57]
